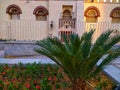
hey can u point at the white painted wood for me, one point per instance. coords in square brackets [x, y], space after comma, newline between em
[26, 30]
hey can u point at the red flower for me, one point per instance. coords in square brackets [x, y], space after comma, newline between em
[35, 82]
[13, 80]
[49, 78]
[27, 85]
[54, 78]
[38, 87]
[3, 73]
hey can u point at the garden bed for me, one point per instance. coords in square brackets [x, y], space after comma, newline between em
[43, 77]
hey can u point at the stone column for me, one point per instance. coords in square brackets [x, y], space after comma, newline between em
[80, 17]
[54, 15]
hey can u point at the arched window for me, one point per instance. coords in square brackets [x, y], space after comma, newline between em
[14, 11]
[92, 14]
[115, 15]
[67, 14]
[40, 13]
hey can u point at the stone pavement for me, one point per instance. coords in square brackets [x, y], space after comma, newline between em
[112, 70]
[116, 63]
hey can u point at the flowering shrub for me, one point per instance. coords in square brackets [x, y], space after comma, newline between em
[31, 77]
[37, 77]
[1, 85]
[38, 87]
[27, 86]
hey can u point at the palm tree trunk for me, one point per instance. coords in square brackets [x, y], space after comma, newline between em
[79, 85]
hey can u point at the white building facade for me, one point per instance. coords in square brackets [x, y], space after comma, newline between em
[37, 19]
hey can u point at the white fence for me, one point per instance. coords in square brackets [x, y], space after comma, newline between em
[101, 27]
[24, 30]
[35, 30]
[2, 30]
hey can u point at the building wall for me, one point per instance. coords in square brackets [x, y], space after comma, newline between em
[104, 8]
[27, 8]
[27, 28]
[104, 21]
[55, 10]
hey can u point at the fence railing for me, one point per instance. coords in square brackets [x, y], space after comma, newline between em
[69, 22]
[102, 27]
[35, 30]
[24, 30]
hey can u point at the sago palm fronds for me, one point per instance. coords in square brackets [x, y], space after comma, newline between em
[78, 56]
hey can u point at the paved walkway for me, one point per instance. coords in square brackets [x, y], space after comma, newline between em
[112, 70]
[25, 60]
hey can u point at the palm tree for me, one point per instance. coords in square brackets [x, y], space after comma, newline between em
[78, 56]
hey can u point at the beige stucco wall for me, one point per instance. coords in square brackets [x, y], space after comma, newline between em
[104, 8]
[27, 8]
[27, 28]
[55, 9]
[104, 21]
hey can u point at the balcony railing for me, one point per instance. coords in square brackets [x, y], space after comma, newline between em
[70, 22]
[62, 33]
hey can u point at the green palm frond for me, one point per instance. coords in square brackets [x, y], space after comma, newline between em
[101, 48]
[78, 56]
[108, 58]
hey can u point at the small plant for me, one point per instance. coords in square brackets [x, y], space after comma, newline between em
[45, 84]
[1, 85]
[11, 87]
[101, 85]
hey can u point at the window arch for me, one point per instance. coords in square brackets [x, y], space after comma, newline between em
[41, 13]
[14, 11]
[115, 15]
[92, 13]
[67, 14]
